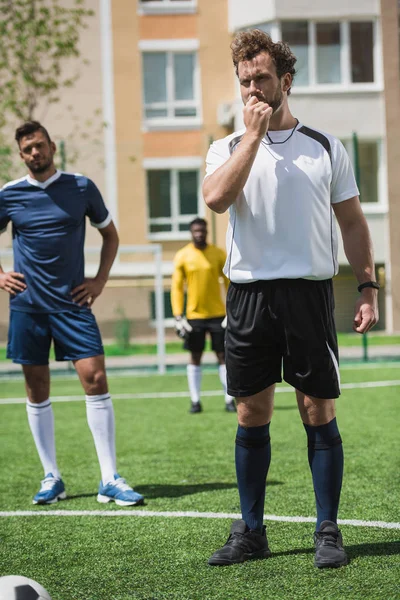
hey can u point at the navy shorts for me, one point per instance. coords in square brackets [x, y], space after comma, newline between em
[282, 325]
[197, 338]
[75, 335]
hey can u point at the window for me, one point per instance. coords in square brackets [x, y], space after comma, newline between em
[295, 33]
[330, 53]
[267, 27]
[173, 201]
[166, 6]
[366, 168]
[362, 63]
[171, 94]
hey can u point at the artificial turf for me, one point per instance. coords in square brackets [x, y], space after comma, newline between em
[184, 462]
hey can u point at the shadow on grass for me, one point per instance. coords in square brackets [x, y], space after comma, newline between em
[177, 491]
[353, 551]
[376, 549]
[81, 496]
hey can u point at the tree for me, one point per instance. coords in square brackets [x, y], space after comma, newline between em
[38, 38]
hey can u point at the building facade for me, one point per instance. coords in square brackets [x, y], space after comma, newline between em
[162, 73]
[175, 91]
[169, 73]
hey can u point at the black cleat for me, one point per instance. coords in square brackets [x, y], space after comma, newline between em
[242, 544]
[230, 406]
[329, 551]
[196, 407]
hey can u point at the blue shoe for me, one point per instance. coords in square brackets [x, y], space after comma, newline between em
[51, 490]
[119, 492]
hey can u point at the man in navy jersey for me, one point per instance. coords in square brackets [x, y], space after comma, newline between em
[51, 301]
[282, 183]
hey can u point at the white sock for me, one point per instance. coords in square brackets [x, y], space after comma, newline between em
[41, 423]
[194, 379]
[222, 378]
[100, 417]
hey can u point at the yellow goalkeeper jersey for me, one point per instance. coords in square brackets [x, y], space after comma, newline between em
[200, 271]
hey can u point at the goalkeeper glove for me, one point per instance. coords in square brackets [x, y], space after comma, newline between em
[182, 327]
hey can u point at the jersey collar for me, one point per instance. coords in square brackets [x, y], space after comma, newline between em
[44, 184]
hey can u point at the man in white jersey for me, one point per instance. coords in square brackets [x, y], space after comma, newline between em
[51, 301]
[281, 182]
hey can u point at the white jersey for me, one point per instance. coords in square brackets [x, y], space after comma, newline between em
[282, 226]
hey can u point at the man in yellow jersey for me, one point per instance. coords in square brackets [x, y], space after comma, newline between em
[199, 265]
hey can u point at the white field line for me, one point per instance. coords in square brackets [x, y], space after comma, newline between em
[184, 514]
[210, 393]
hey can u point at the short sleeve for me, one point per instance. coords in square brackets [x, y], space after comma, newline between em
[344, 184]
[4, 218]
[96, 210]
[217, 155]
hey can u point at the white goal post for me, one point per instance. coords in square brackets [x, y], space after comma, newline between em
[125, 266]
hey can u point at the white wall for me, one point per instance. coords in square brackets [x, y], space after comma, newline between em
[342, 113]
[288, 9]
[247, 13]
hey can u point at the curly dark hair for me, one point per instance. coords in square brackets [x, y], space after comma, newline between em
[247, 44]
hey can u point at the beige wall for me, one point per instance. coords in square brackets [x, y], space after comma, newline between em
[128, 115]
[161, 144]
[217, 84]
[164, 27]
[209, 26]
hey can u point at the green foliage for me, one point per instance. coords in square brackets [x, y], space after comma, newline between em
[122, 329]
[38, 38]
[5, 160]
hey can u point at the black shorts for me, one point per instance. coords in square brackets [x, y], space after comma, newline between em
[285, 323]
[197, 338]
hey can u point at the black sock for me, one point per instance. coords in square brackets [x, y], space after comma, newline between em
[325, 457]
[252, 456]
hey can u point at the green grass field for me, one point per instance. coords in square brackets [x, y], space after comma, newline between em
[182, 463]
[344, 339]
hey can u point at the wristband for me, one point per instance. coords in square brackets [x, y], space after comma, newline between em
[367, 284]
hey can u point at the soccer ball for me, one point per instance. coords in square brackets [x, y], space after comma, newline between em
[17, 587]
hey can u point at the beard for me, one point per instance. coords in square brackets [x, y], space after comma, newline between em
[40, 167]
[277, 100]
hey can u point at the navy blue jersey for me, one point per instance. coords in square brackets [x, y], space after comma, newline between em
[48, 229]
